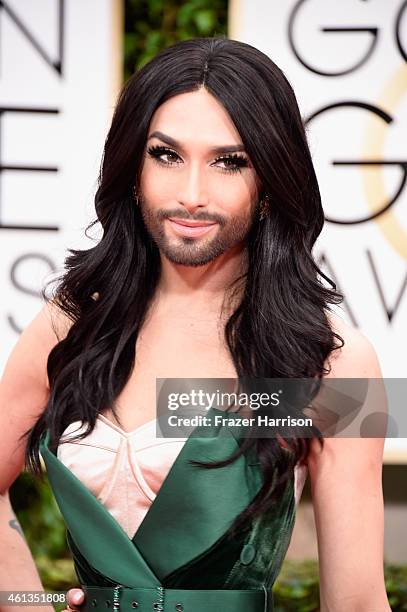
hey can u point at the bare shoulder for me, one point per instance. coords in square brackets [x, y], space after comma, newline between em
[27, 362]
[357, 358]
[24, 386]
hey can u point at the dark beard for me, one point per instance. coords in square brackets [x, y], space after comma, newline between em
[198, 251]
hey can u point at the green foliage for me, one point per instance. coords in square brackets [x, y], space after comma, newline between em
[56, 574]
[44, 529]
[297, 587]
[396, 586]
[152, 25]
[39, 516]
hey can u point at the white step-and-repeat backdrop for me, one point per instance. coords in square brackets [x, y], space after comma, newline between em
[347, 62]
[60, 69]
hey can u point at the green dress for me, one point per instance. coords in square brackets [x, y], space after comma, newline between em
[181, 558]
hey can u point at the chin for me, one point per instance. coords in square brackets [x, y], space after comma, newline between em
[189, 261]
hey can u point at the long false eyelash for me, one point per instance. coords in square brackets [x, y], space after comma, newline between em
[156, 151]
[239, 161]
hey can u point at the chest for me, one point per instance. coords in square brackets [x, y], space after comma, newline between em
[171, 347]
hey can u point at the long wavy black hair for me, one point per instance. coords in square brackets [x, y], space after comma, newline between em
[280, 327]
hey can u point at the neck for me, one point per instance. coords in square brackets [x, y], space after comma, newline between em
[203, 288]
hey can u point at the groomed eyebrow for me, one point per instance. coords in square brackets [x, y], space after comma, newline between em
[174, 143]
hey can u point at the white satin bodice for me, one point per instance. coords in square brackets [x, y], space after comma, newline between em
[125, 470]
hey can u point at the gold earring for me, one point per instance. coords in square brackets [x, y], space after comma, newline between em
[136, 196]
[264, 207]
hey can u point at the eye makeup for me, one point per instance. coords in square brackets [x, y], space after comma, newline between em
[233, 162]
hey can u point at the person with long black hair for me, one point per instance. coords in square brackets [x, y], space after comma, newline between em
[210, 208]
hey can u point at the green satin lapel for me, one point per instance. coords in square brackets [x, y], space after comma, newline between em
[192, 510]
[95, 532]
[195, 506]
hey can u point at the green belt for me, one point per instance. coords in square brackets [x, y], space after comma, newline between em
[123, 599]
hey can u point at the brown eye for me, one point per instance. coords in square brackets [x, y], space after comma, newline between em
[233, 163]
[157, 152]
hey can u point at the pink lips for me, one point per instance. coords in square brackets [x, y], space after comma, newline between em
[183, 227]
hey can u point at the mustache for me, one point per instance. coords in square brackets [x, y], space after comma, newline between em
[183, 214]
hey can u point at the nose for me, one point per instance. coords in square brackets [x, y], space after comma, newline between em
[193, 193]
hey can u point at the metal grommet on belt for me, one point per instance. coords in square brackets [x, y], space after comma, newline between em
[179, 607]
[94, 602]
[134, 604]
